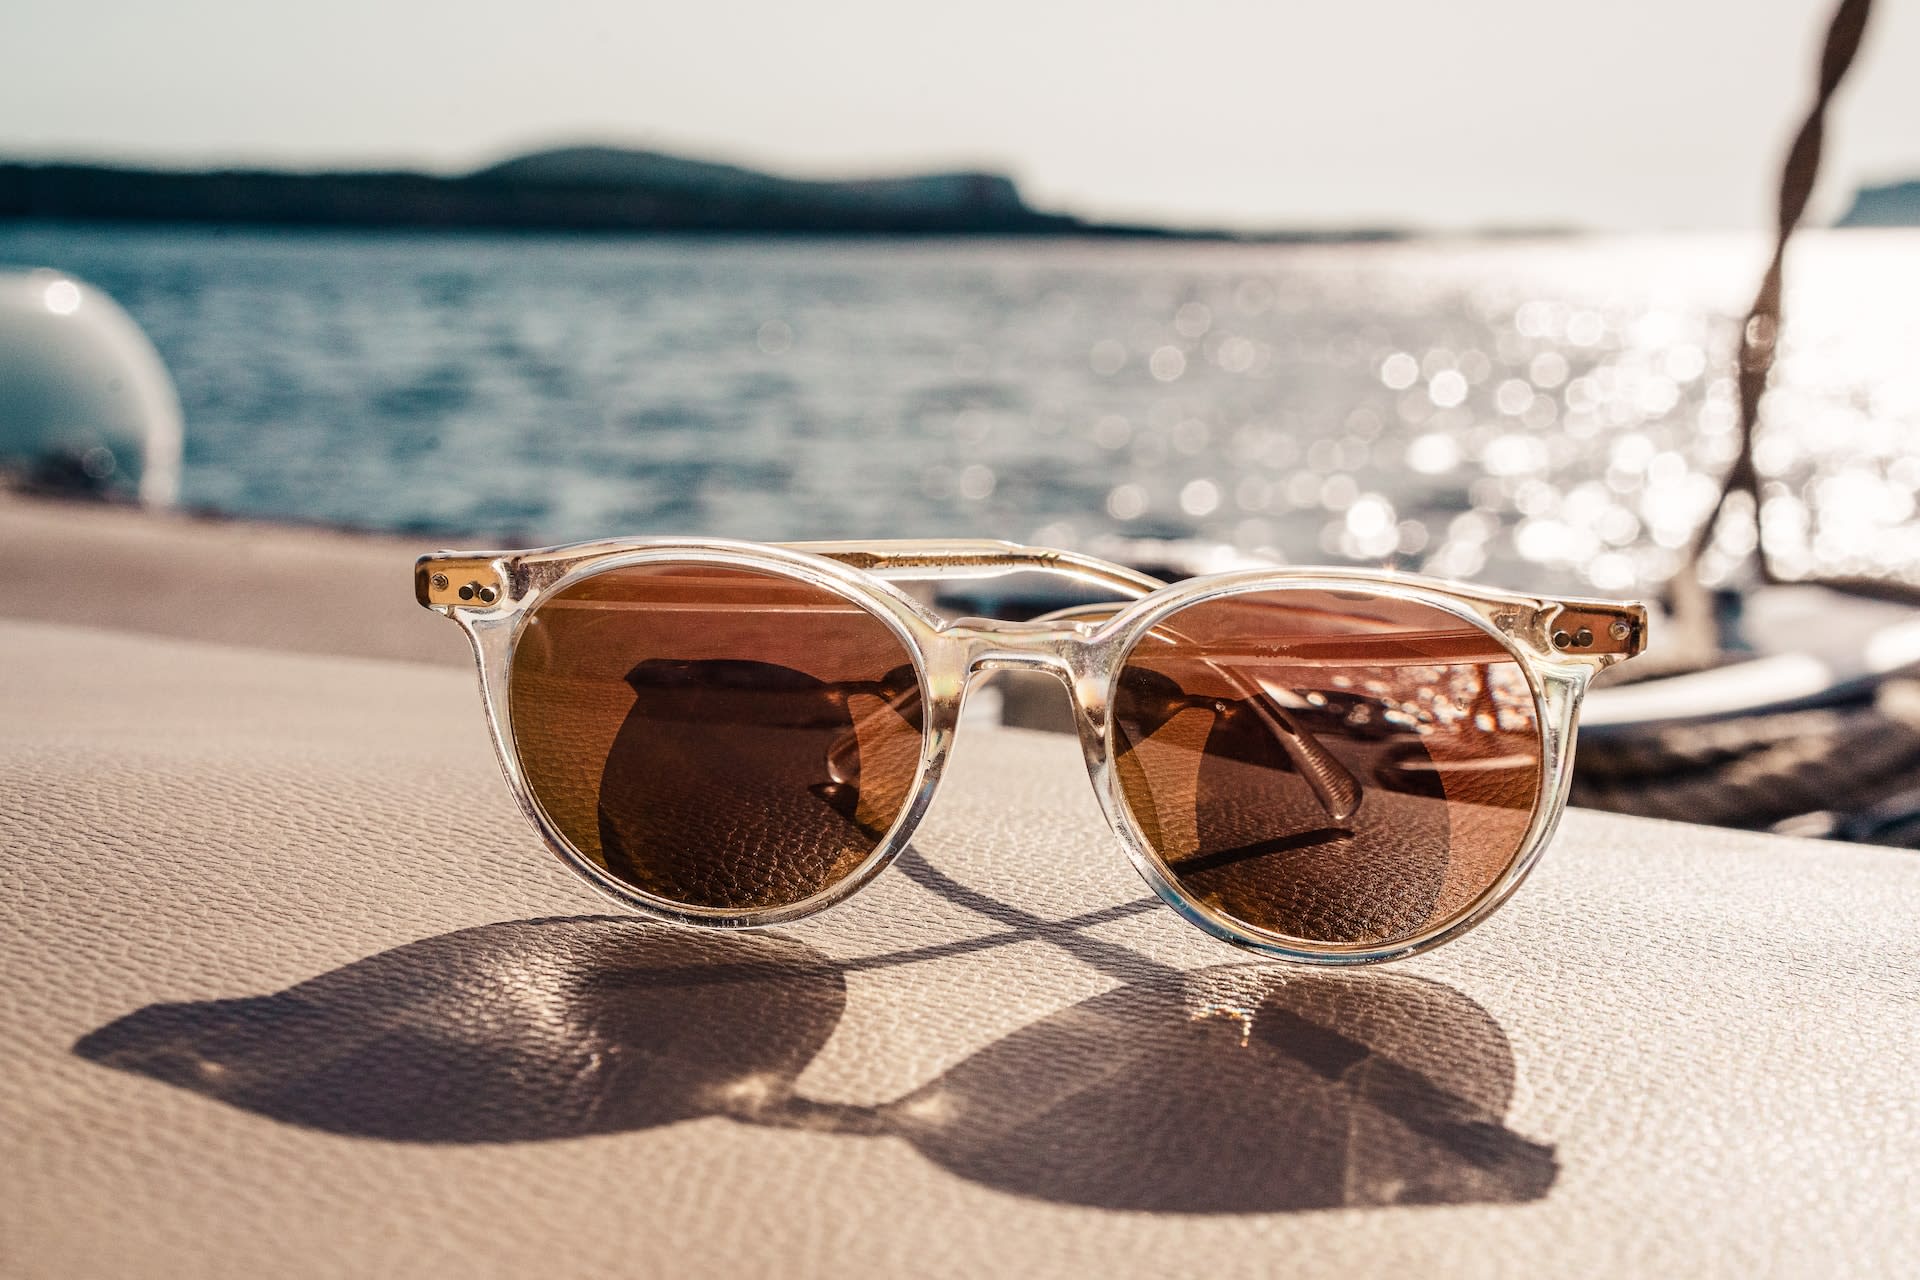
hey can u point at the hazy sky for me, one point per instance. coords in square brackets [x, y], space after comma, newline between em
[1632, 113]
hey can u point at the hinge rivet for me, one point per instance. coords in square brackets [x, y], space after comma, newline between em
[439, 582]
[1619, 630]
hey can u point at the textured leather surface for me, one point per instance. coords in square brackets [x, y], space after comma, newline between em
[231, 581]
[289, 989]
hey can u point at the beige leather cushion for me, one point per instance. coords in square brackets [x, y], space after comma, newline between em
[290, 989]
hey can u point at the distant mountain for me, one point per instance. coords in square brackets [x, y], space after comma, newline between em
[626, 167]
[1895, 205]
[572, 188]
[987, 194]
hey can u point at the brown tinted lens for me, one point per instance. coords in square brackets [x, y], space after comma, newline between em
[1334, 767]
[721, 738]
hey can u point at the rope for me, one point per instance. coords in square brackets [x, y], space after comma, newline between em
[1758, 770]
[1760, 336]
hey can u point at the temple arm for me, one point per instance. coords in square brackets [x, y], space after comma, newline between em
[932, 559]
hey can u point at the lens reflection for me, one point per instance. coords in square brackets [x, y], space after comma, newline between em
[1328, 766]
[721, 738]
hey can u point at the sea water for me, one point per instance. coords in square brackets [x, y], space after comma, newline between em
[1546, 412]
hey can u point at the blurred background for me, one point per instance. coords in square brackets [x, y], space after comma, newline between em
[1453, 289]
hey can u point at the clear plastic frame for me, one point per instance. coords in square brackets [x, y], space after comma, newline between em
[1559, 644]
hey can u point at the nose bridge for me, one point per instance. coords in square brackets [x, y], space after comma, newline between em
[1067, 651]
[994, 645]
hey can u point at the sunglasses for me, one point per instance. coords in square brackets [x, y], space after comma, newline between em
[1323, 765]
